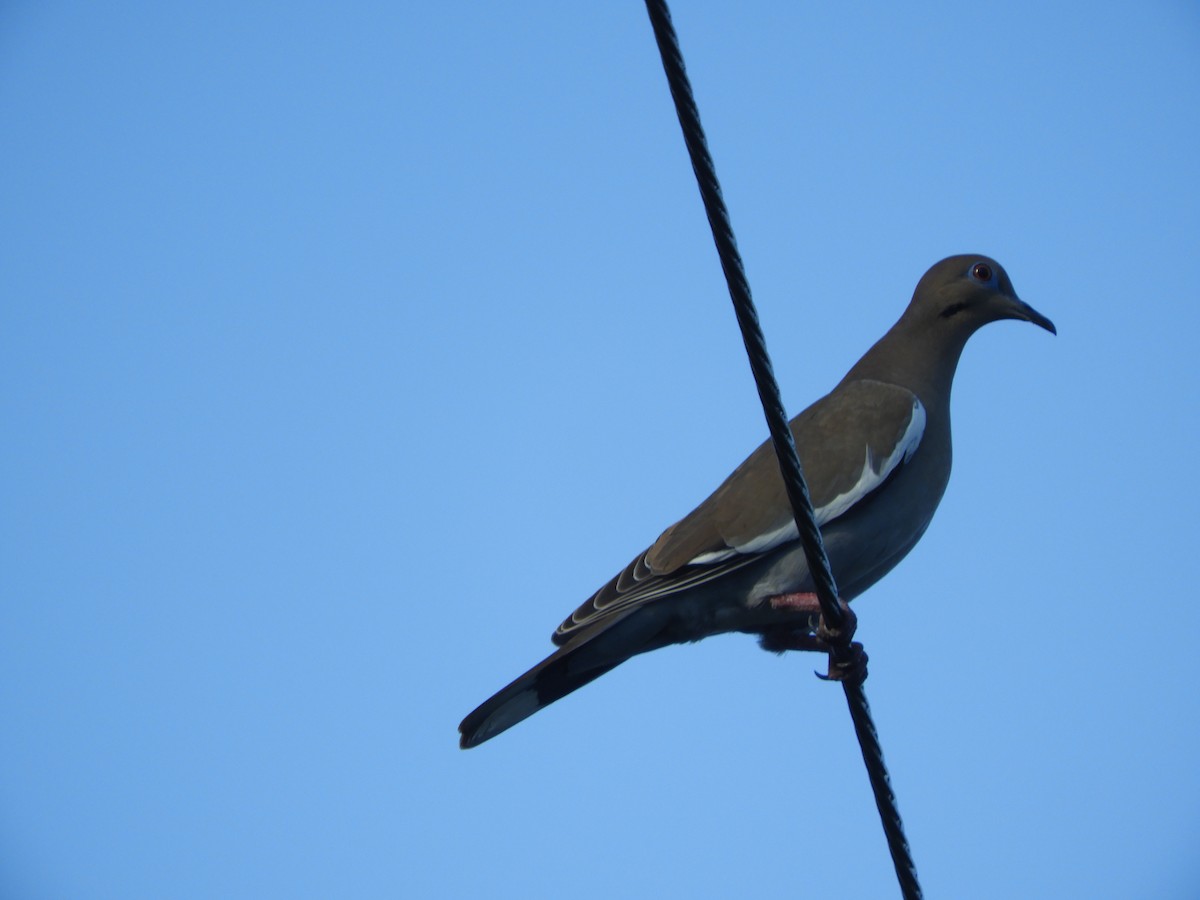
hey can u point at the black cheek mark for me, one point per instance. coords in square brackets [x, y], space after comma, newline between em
[953, 309]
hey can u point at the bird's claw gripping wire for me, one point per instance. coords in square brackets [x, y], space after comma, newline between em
[847, 659]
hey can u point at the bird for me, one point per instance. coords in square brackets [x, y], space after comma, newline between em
[876, 453]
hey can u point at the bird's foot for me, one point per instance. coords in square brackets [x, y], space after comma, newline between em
[847, 659]
[808, 603]
[836, 636]
[852, 668]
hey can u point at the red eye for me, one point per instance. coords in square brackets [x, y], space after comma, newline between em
[981, 272]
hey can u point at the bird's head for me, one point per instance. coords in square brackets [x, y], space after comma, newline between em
[966, 292]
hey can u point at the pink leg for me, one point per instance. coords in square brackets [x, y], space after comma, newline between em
[777, 640]
[799, 602]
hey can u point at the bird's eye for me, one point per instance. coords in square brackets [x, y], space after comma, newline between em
[981, 272]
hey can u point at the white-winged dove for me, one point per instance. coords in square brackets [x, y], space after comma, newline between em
[876, 455]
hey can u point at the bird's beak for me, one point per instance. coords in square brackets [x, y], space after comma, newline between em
[1019, 309]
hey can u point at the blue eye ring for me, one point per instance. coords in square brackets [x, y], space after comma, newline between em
[982, 272]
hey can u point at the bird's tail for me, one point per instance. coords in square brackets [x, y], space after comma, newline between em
[550, 680]
[585, 658]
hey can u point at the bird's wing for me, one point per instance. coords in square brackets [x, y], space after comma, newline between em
[849, 442]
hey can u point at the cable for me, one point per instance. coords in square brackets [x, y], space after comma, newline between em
[838, 625]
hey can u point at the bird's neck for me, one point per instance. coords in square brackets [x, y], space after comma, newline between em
[921, 359]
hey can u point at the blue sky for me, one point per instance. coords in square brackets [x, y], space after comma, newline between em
[346, 348]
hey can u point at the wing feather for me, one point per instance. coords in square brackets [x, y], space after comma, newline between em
[749, 515]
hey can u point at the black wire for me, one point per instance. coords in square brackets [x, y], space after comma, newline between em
[747, 316]
[781, 437]
[881, 787]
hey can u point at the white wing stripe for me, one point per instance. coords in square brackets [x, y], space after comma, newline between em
[872, 478]
[868, 480]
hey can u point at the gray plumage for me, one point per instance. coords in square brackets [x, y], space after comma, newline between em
[876, 454]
